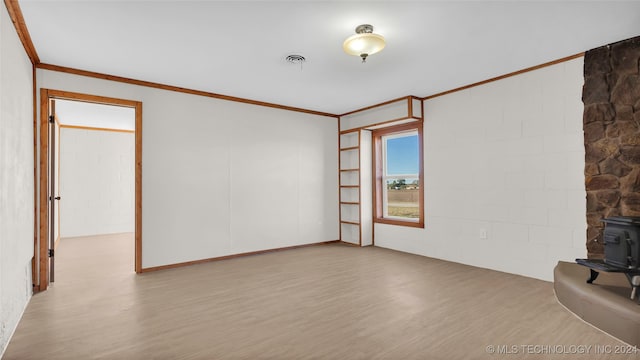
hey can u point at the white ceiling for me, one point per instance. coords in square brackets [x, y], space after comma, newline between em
[238, 48]
[77, 113]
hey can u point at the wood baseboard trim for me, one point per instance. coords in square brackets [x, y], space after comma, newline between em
[226, 257]
[349, 244]
[96, 235]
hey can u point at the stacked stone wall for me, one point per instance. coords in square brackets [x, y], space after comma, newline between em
[611, 97]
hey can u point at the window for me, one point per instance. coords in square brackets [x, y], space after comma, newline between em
[398, 190]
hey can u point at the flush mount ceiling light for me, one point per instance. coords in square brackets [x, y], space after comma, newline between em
[364, 42]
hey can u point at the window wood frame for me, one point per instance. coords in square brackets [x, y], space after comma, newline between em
[378, 175]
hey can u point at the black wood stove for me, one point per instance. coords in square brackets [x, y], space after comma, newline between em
[621, 251]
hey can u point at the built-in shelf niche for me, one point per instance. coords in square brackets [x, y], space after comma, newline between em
[355, 187]
[356, 162]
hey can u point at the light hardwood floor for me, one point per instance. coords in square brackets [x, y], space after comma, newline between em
[321, 302]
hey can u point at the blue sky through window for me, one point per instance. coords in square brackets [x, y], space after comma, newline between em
[402, 155]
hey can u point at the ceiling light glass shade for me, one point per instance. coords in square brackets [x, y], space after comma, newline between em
[364, 42]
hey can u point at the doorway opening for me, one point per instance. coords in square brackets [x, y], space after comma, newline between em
[94, 140]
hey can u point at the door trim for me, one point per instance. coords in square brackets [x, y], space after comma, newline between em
[45, 96]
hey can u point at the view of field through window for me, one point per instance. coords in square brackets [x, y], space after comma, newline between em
[402, 198]
[401, 175]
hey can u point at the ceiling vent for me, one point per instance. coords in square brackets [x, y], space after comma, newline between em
[296, 59]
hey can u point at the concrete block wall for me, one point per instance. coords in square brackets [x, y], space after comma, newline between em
[97, 184]
[503, 159]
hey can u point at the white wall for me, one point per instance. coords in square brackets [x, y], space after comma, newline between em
[366, 188]
[16, 178]
[223, 177]
[507, 157]
[97, 182]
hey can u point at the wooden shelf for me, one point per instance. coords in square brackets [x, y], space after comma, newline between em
[349, 165]
[349, 131]
[349, 222]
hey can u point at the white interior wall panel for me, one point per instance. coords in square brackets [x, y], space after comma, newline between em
[97, 182]
[221, 177]
[366, 188]
[16, 178]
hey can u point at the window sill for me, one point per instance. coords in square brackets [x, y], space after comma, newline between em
[408, 223]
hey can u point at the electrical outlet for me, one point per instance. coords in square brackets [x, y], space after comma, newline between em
[483, 233]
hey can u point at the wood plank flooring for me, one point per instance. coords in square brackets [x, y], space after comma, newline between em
[321, 302]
